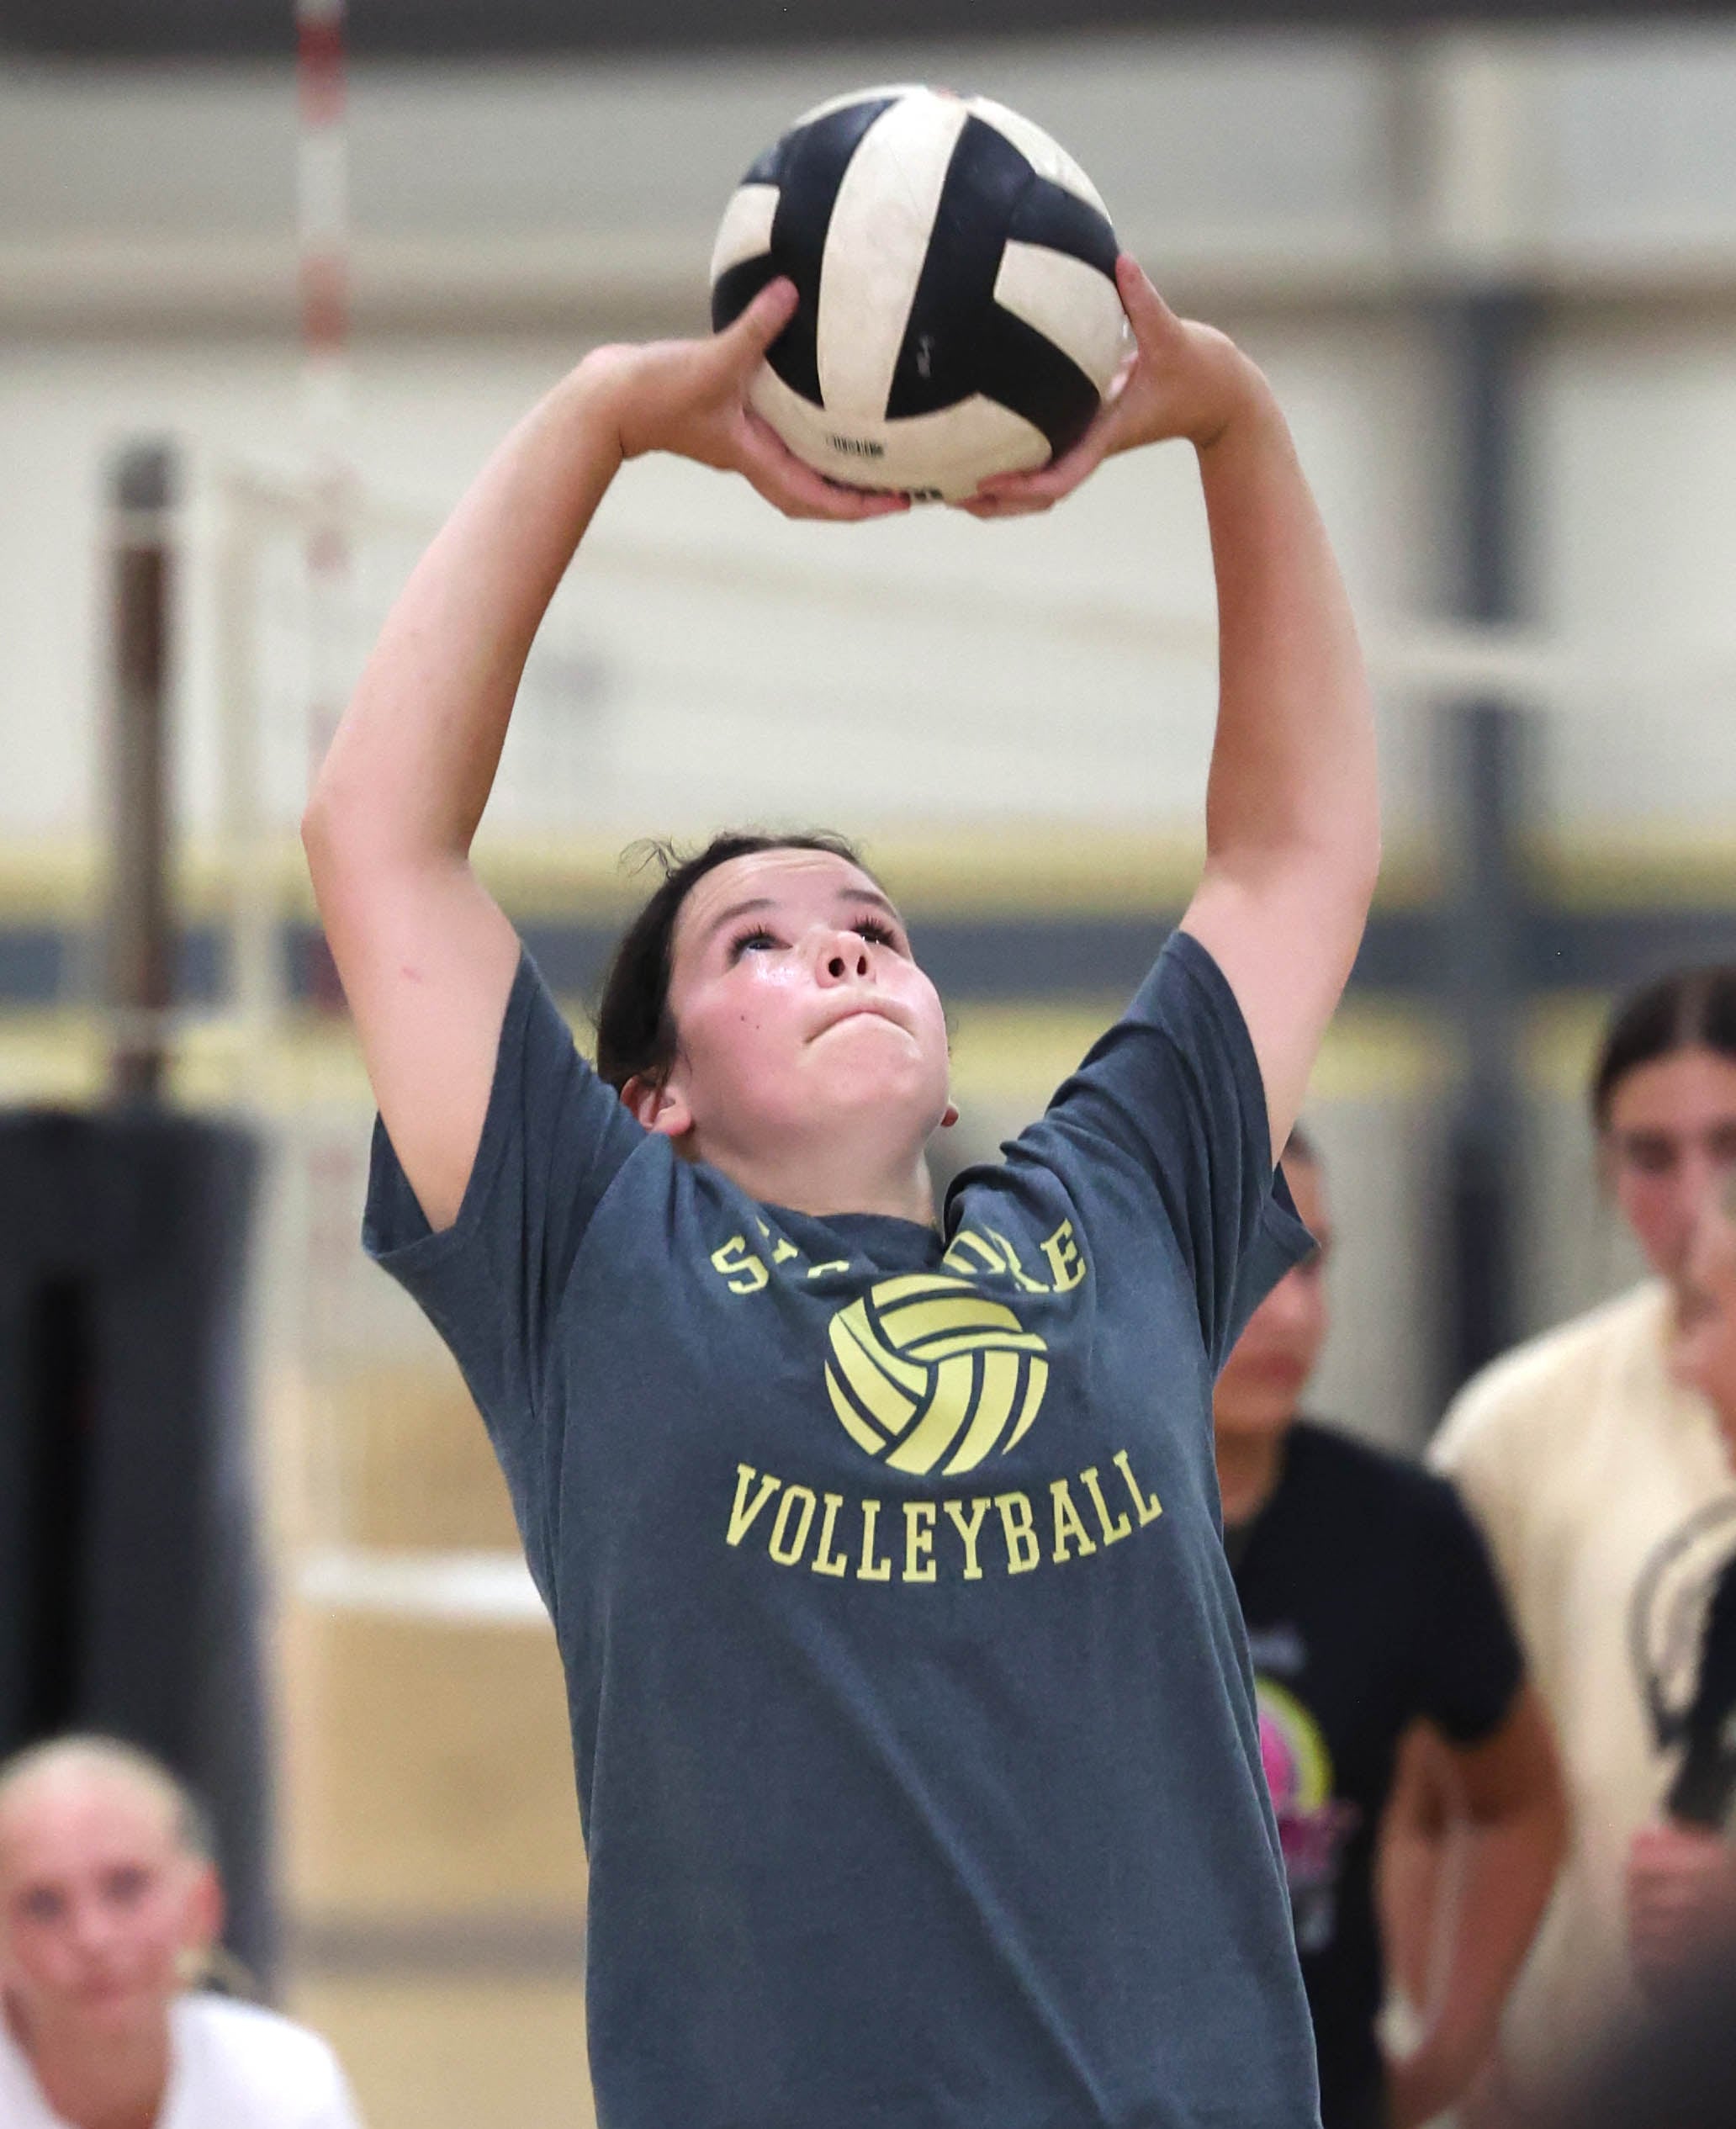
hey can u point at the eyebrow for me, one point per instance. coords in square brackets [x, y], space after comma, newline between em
[756, 903]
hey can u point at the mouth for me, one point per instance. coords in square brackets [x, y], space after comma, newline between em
[862, 1010]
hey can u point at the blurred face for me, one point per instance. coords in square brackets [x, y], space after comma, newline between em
[97, 1901]
[800, 1012]
[1669, 1144]
[1265, 1376]
[1705, 1351]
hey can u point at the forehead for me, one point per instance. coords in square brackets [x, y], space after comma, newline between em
[805, 881]
[66, 1819]
[1687, 1092]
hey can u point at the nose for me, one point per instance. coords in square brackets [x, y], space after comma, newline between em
[843, 958]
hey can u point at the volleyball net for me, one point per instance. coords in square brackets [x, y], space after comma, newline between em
[1041, 723]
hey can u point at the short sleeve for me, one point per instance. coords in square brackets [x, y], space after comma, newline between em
[332, 2105]
[1473, 1666]
[1173, 1092]
[553, 1139]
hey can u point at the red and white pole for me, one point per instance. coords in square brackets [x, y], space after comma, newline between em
[323, 220]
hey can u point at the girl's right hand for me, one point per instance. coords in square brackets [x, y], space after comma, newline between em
[690, 397]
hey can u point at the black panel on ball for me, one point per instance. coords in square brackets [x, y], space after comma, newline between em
[813, 165]
[959, 341]
[1050, 215]
[1022, 369]
[939, 363]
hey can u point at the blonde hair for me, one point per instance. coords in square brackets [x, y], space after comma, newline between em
[90, 1752]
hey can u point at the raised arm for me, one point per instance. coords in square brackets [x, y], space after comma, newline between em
[1292, 828]
[425, 956]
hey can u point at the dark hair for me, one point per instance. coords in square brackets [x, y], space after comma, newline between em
[635, 1034]
[1690, 1008]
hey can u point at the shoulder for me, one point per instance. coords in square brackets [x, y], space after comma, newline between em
[253, 2059]
[1520, 1397]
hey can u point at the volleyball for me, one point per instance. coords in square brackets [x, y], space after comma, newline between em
[924, 1367]
[958, 315]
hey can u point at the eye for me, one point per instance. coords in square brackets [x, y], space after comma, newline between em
[758, 940]
[877, 933]
[40, 1904]
[1649, 1156]
[127, 1886]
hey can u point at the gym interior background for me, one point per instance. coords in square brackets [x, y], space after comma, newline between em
[1491, 268]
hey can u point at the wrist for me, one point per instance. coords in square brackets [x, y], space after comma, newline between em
[1248, 408]
[606, 389]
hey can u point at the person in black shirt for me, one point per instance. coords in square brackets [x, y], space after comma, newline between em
[1371, 1608]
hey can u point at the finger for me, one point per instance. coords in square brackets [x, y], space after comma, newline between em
[746, 339]
[1045, 485]
[1147, 313]
[797, 489]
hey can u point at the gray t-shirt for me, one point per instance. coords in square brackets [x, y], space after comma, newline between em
[912, 1712]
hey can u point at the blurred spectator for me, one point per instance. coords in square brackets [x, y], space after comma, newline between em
[1601, 1481]
[1371, 1606]
[109, 1908]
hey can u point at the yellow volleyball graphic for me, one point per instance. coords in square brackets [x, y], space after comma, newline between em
[925, 1367]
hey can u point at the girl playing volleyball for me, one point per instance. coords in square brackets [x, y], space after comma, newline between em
[910, 1710]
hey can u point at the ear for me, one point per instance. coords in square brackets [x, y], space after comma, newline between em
[203, 1923]
[658, 1108]
[949, 1116]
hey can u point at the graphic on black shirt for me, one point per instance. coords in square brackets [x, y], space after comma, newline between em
[1682, 1629]
[1313, 1822]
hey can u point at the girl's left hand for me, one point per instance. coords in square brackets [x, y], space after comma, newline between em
[1182, 380]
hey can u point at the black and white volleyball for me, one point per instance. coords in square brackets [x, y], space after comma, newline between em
[958, 315]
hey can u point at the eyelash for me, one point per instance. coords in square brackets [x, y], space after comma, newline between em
[876, 933]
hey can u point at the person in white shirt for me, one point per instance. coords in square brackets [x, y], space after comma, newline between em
[1602, 1482]
[110, 1902]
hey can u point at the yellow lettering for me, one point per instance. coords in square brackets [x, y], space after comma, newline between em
[969, 1532]
[742, 1515]
[870, 1569]
[783, 1249]
[784, 1548]
[1065, 1260]
[832, 1264]
[1021, 1277]
[1148, 1510]
[1112, 1532]
[918, 1541]
[739, 1266]
[825, 1561]
[966, 1245]
[1020, 1530]
[1069, 1529]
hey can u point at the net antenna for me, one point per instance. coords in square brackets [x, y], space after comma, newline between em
[323, 203]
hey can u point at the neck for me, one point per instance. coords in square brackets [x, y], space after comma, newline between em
[1249, 1468]
[96, 2080]
[827, 1179]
